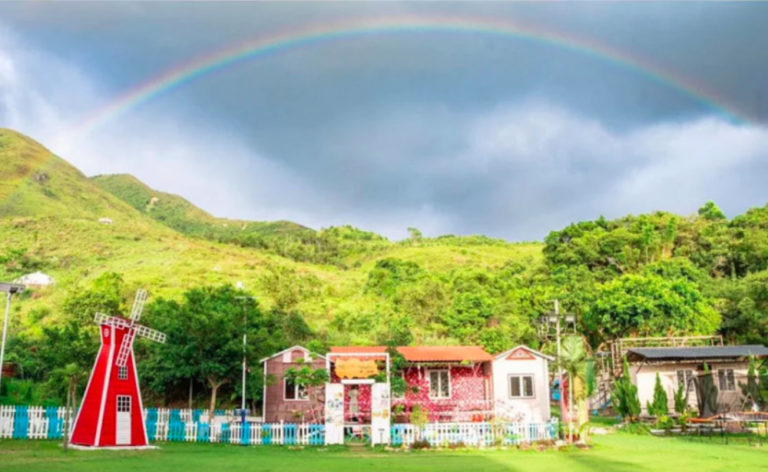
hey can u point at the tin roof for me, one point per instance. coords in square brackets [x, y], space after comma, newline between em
[697, 352]
[424, 353]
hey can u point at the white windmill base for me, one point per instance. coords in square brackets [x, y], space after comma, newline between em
[111, 448]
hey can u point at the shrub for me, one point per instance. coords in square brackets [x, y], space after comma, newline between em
[659, 405]
[625, 396]
[420, 444]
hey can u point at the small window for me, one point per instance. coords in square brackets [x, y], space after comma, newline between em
[725, 380]
[123, 404]
[122, 372]
[294, 391]
[521, 386]
[685, 378]
[439, 384]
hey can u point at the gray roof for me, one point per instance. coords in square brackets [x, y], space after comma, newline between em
[699, 352]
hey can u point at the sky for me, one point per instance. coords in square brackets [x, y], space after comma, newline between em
[452, 131]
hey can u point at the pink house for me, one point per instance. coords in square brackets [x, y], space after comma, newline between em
[448, 383]
[284, 401]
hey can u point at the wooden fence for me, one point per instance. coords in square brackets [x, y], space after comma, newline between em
[34, 422]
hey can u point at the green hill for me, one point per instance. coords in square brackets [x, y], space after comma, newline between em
[178, 213]
[49, 221]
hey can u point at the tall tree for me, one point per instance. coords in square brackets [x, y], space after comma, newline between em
[204, 337]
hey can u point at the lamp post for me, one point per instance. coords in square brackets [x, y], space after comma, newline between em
[241, 286]
[9, 289]
[547, 321]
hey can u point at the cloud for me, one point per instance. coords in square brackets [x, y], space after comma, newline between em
[515, 170]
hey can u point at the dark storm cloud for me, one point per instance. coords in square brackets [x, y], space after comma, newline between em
[449, 132]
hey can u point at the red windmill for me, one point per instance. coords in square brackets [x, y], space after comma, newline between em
[111, 413]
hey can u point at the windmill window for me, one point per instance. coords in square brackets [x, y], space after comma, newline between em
[122, 372]
[123, 403]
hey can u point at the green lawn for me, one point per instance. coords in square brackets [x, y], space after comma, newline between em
[615, 453]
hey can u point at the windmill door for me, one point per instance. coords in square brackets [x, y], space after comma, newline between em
[123, 420]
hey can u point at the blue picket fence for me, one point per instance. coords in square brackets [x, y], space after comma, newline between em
[25, 422]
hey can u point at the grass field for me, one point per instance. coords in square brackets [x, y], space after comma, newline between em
[614, 453]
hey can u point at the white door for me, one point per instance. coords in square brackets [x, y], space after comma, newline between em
[380, 406]
[123, 422]
[334, 413]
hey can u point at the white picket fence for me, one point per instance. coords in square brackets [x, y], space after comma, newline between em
[474, 434]
[22, 422]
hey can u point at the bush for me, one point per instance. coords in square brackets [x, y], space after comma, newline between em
[625, 396]
[420, 444]
[658, 407]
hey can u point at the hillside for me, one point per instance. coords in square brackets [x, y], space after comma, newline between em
[178, 213]
[52, 225]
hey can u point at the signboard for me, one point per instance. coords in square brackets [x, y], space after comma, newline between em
[334, 413]
[380, 407]
[354, 368]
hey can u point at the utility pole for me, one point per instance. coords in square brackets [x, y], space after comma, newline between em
[555, 318]
[9, 289]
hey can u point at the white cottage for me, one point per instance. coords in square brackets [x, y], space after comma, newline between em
[521, 385]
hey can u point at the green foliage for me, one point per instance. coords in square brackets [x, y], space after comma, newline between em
[751, 390]
[624, 396]
[204, 338]
[711, 212]
[659, 406]
[681, 402]
[650, 306]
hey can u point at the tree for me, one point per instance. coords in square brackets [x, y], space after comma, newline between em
[625, 396]
[711, 212]
[414, 234]
[681, 399]
[658, 407]
[573, 360]
[650, 306]
[204, 338]
[751, 390]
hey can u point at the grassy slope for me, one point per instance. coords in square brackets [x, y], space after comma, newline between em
[57, 223]
[615, 453]
[178, 213]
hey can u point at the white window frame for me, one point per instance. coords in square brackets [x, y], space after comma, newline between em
[438, 390]
[521, 385]
[732, 380]
[688, 376]
[122, 372]
[297, 389]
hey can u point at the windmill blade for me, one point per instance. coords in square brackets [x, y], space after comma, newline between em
[102, 319]
[138, 304]
[125, 348]
[149, 333]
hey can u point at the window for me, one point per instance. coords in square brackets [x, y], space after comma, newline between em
[294, 391]
[725, 380]
[685, 378]
[521, 386]
[439, 384]
[122, 372]
[123, 404]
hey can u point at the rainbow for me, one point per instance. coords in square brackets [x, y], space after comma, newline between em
[310, 35]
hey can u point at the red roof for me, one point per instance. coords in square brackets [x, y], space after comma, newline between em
[444, 353]
[425, 353]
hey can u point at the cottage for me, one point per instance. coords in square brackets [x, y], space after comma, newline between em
[683, 367]
[521, 385]
[446, 383]
[283, 400]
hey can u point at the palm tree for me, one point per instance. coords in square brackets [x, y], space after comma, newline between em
[573, 360]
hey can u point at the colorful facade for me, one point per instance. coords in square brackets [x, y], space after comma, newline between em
[284, 401]
[444, 383]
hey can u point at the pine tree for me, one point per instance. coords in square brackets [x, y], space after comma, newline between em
[625, 396]
[659, 406]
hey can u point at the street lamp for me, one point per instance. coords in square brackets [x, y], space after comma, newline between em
[241, 286]
[9, 289]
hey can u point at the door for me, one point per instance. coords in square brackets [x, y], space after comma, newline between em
[380, 407]
[123, 422]
[334, 413]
